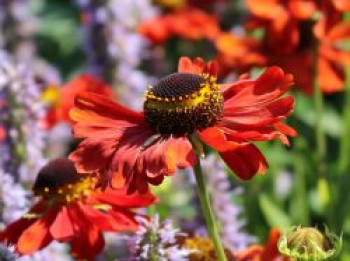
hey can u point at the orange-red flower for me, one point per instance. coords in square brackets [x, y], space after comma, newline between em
[302, 36]
[269, 252]
[62, 99]
[282, 21]
[139, 148]
[188, 23]
[237, 54]
[69, 210]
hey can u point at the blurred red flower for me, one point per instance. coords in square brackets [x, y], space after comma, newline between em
[142, 147]
[189, 23]
[62, 99]
[237, 54]
[281, 20]
[69, 210]
[269, 252]
[296, 41]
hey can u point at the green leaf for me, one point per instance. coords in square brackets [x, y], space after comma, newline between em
[274, 215]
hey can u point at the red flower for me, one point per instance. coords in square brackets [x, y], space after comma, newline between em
[301, 36]
[237, 54]
[188, 23]
[65, 96]
[142, 147]
[263, 253]
[70, 211]
[281, 20]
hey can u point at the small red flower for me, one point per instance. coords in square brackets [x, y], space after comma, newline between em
[188, 23]
[138, 148]
[64, 97]
[263, 253]
[69, 210]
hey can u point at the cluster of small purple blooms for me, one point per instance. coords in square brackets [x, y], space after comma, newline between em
[228, 213]
[156, 240]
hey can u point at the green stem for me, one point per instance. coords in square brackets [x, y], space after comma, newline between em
[208, 213]
[320, 135]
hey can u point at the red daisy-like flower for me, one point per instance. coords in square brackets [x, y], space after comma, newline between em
[138, 148]
[70, 210]
[62, 99]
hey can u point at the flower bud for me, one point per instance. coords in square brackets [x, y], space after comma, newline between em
[309, 244]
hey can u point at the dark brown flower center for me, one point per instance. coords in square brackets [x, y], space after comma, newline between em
[183, 103]
[59, 180]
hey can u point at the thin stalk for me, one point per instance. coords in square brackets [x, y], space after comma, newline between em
[320, 135]
[321, 142]
[344, 142]
[208, 213]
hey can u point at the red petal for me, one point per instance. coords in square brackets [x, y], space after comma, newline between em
[119, 197]
[245, 161]
[186, 65]
[62, 227]
[15, 229]
[216, 139]
[99, 111]
[37, 236]
[271, 250]
[285, 129]
[302, 9]
[87, 244]
[272, 84]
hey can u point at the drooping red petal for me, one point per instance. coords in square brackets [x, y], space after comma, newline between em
[14, 230]
[216, 139]
[87, 244]
[245, 160]
[62, 227]
[100, 111]
[36, 236]
[271, 249]
[103, 221]
[119, 197]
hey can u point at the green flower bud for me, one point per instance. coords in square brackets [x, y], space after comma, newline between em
[309, 244]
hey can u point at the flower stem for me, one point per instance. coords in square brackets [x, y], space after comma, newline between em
[208, 213]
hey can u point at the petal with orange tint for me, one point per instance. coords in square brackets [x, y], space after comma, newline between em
[94, 108]
[271, 250]
[270, 85]
[259, 116]
[62, 227]
[37, 236]
[14, 230]
[249, 254]
[342, 5]
[216, 139]
[340, 31]
[302, 9]
[119, 197]
[92, 154]
[246, 160]
[264, 9]
[331, 78]
[285, 129]
[186, 65]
